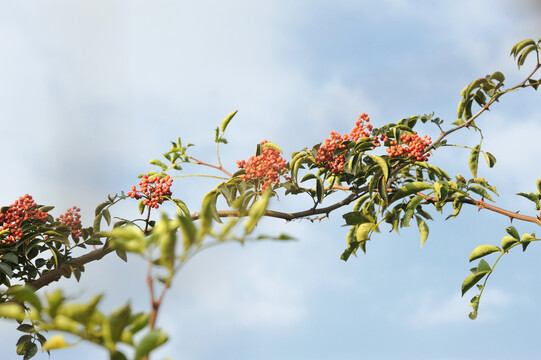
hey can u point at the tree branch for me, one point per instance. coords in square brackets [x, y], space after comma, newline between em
[56, 274]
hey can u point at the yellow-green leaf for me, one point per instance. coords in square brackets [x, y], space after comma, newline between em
[128, 238]
[257, 211]
[382, 164]
[25, 294]
[227, 119]
[272, 146]
[12, 311]
[474, 160]
[411, 188]
[483, 250]
[507, 242]
[423, 229]
[151, 341]
[55, 342]
[362, 232]
[471, 281]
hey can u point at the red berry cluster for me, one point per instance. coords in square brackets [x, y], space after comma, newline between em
[361, 130]
[153, 189]
[72, 219]
[266, 167]
[335, 163]
[413, 145]
[325, 154]
[25, 208]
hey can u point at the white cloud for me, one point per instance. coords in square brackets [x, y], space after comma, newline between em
[432, 310]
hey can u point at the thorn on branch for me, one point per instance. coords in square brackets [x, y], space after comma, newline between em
[481, 204]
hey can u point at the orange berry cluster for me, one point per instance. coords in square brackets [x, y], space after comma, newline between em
[326, 153]
[266, 167]
[153, 189]
[72, 219]
[413, 145]
[25, 208]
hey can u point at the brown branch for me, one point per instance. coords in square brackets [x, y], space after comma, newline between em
[512, 215]
[287, 216]
[56, 274]
[481, 204]
[221, 168]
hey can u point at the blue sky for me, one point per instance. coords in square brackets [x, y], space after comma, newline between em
[90, 91]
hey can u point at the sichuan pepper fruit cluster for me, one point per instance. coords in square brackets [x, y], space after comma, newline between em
[25, 209]
[410, 145]
[154, 189]
[265, 168]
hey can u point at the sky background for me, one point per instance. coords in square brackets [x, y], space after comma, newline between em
[90, 91]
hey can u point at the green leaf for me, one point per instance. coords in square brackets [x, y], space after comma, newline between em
[355, 218]
[526, 239]
[483, 250]
[440, 190]
[54, 342]
[409, 189]
[295, 166]
[122, 255]
[118, 320]
[128, 238]
[498, 76]
[521, 45]
[532, 197]
[107, 216]
[97, 222]
[410, 210]
[484, 183]
[513, 232]
[138, 322]
[167, 240]
[151, 341]
[208, 211]
[10, 257]
[181, 206]
[272, 146]
[31, 349]
[141, 206]
[12, 311]
[100, 207]
[538, 184]
[480, 191]
[460, 111]
[27, 328]
[483, 267]
[522, 58]
[6, 269]
[362, 231]
[474, 160]
[423, 229]
[507, 242]
[189, 231]
[308, 176]
[382, 164]
[319, 190]
[25, 294]
[118, 356]
[491, 159]
[382, 189]
[158, 163]
[471, 280]
[227, 119]
[257, 210]
[353, 245]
